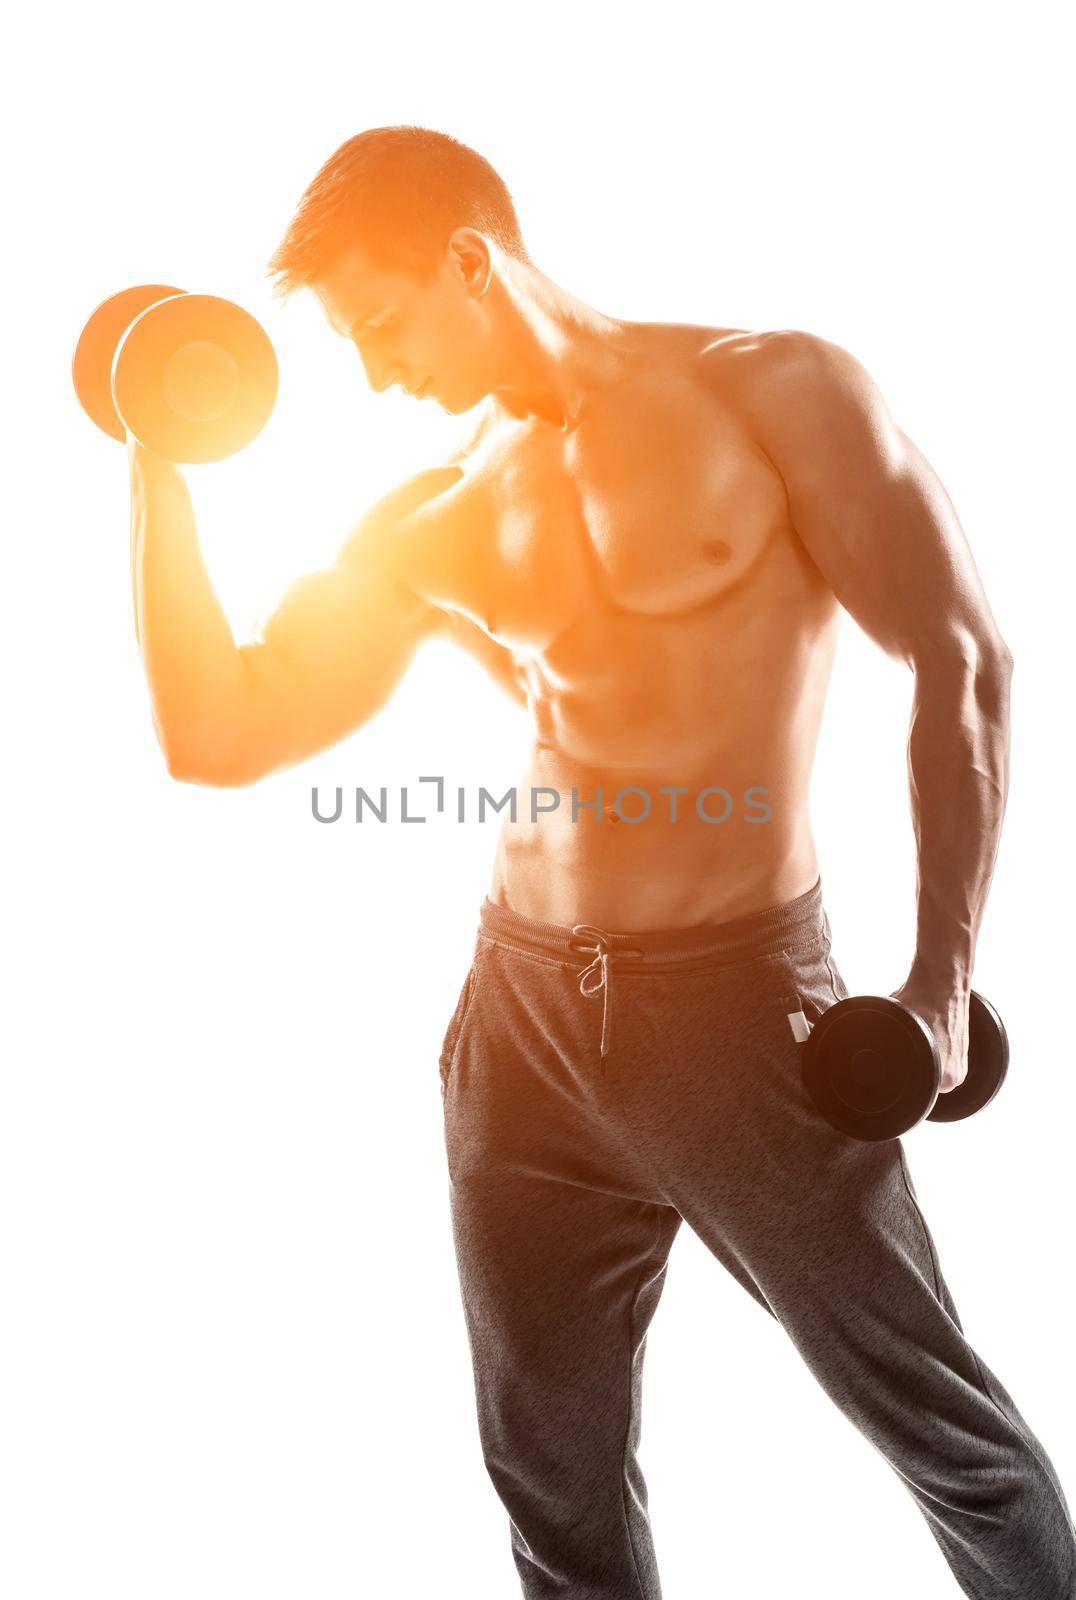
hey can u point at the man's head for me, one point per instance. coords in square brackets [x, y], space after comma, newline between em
[397, 235]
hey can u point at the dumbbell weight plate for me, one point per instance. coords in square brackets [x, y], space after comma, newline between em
[871, 1067]
[988, 1062]
[91, 365]
[194, 378]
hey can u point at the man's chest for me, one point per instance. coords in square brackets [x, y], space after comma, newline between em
[654, 503]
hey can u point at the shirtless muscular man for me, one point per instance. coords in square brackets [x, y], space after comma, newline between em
[647, 538]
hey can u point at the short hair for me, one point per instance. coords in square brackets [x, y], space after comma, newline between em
[399, 192]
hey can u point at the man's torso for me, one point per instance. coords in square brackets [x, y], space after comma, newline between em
[639, 570]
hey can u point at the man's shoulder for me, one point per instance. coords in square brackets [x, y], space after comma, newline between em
[745, 370]
[786, 387]
[741, 356]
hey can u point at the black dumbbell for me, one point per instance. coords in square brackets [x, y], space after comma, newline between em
[872, 1068]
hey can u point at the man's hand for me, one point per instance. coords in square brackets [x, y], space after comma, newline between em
[943, 1006]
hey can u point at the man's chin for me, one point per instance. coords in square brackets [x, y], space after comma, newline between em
[456, 398]
[457, 404]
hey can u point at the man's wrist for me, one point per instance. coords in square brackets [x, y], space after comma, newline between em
[150, 467]
[932, 971]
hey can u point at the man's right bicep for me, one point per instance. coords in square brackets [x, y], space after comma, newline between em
[328, 658]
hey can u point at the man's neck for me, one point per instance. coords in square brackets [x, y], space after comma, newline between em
[557, 350]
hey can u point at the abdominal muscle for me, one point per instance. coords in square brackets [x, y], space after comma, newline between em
[734, 838]
[664, 869]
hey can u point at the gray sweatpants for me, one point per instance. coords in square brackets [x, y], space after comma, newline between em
[600, 1087]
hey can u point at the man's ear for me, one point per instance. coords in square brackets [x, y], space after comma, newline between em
[470, 261]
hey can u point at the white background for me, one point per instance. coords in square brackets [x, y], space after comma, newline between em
[234, 1358]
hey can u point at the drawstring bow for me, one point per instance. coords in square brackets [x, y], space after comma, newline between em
[595, 977]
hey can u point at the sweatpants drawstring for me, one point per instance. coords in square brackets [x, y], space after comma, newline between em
[599, 970]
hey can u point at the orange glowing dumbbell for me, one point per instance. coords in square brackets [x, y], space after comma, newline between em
[191, 376]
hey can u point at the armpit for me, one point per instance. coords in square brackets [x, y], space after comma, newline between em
[496, 658]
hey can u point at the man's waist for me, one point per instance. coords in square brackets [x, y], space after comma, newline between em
[788, 925]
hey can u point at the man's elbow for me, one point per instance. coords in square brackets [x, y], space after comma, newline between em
[998, 693]
[979, 672]
[976, 668]
[1003, 660]
[993, 667]
[965, 654]
[211, 767]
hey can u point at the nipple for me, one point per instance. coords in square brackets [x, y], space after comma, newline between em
[717, 551]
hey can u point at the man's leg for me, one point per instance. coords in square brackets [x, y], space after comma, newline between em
[561, 1246]
[830, 1231]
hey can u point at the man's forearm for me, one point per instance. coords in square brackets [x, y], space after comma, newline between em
[958, 763]
[196, 675]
